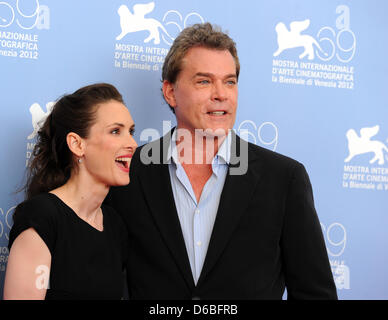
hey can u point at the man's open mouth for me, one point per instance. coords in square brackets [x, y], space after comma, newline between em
[217, 113]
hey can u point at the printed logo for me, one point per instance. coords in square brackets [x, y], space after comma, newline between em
[294, 39]
[336, 239]
[150, 153]
[38, 116]
[362, 148]
[137, 22]
[20, 14]
[5, 227]
[266, 134]
[341, 274]
[328, 44]
[4, 252]
[161, 33]
[43, 279]
[358, 145]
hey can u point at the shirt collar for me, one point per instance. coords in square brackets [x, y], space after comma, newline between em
[222, 156]
[172, 149]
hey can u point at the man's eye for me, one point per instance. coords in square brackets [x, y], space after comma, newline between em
[203, 81]
[231, 82]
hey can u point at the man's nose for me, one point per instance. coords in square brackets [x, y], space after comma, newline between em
[219, 91]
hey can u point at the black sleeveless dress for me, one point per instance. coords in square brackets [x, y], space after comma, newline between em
[85, 263]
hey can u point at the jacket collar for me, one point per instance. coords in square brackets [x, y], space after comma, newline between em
[235, 198]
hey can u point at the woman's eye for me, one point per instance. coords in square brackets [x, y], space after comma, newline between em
[132, 132]
[115, 131]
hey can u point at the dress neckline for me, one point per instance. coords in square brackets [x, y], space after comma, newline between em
[77, 216]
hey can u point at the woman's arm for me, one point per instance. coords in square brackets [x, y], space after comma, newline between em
[28, 268]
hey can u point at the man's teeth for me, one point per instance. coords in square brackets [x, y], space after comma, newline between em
[218, 113]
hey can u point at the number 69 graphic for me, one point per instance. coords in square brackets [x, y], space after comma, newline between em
[5, 226]
[245, 133]
[327, 35]
[181, 24]
[7, 15]
[336, 238]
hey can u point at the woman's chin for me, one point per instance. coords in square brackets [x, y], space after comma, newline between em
[121, 182]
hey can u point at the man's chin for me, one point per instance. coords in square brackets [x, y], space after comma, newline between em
[213, 132]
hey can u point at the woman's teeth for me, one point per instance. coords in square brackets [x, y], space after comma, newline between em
[123, 161]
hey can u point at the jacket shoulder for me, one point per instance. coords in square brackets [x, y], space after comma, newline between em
[271, 158]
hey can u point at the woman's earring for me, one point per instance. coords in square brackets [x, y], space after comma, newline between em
[80, 160]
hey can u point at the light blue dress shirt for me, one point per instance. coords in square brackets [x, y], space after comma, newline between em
[197, 218]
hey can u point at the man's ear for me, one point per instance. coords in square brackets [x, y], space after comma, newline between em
[169, 94]
[76, 144]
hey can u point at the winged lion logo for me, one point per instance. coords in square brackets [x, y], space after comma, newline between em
[136, 21]
[363, 144]
[288, 39]
[38, 116]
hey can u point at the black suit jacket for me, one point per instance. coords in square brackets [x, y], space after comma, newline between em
[266, 235]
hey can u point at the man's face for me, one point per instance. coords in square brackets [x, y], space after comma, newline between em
[204, 95]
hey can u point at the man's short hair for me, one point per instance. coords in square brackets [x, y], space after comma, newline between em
[198, 35]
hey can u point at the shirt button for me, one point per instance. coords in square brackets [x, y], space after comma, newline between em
[197, 211]
[199, 243]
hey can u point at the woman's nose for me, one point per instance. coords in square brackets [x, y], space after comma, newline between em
[132, 142]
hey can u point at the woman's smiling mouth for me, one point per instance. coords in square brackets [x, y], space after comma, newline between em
[123, 162]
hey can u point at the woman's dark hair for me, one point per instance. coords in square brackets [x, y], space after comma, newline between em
[52, 161]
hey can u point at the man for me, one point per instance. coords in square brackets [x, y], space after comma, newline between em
[209, 216]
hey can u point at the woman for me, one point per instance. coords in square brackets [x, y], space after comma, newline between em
[62, 232]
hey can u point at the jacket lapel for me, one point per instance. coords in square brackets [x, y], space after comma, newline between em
[155, 180]
[235, 198]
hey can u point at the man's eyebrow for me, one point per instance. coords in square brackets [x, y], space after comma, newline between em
[205, 74]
